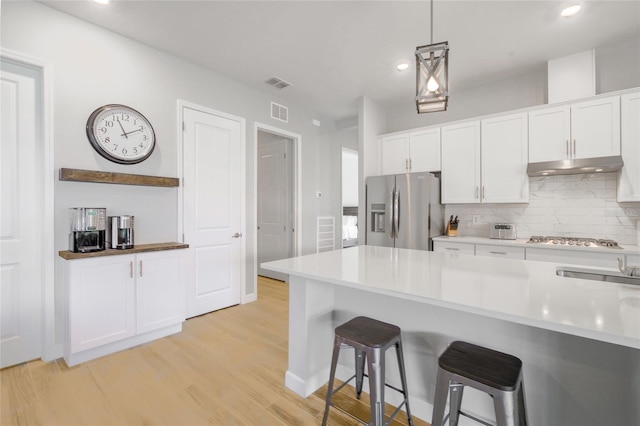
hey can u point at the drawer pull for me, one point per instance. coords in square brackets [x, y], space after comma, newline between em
[497, 252]
[451, 248]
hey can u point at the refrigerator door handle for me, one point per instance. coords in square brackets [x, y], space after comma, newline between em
[396, 213]
[392, 198]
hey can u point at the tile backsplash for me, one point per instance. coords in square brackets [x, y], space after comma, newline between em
[569, 205]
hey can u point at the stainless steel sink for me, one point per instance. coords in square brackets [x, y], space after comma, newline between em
[596, 275]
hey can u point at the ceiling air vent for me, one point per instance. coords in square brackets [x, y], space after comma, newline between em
[279, 112]
[278, 83]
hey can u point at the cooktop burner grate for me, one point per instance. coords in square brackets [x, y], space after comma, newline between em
[572, 241]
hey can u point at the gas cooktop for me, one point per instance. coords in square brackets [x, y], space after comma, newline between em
[571, 241]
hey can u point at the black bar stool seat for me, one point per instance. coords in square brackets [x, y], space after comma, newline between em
[496, 373]
[370, 339]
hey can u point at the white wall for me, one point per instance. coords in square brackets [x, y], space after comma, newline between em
[617, 68]
[93, 67]
[349, 178]
[329, 172]
[371, 123]
[572, 206]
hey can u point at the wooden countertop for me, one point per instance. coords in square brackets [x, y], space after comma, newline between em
[139, 248]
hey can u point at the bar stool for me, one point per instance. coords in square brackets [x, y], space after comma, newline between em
[370, 338]
[496, 373]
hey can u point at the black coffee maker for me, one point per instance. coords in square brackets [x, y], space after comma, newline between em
[87, 229]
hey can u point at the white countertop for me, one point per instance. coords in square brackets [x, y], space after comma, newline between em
[521, 242]
[525, 292]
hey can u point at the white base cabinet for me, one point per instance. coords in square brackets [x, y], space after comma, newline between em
[597, 259]
[584, 258]
[119, 301]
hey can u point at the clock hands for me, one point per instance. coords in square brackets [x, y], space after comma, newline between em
[123, 132]
[133, 131]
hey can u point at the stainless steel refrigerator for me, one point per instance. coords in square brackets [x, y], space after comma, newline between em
[404, 211]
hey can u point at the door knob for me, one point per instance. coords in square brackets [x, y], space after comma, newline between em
[237, 235]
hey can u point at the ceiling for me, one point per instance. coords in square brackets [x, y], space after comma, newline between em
[333, 52]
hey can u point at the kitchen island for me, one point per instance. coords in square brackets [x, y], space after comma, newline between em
[579, 340]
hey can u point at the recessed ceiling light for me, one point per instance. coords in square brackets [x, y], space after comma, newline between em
[102, 1]
[402, 66]
[570, 10]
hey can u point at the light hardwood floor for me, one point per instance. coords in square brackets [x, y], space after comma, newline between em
[225, 368]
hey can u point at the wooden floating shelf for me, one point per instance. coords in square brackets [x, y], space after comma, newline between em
[77, 175]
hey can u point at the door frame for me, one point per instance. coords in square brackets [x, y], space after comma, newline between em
[297, 189]
[50, 349]
[181, 105]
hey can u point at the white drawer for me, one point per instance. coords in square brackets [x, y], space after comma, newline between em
[633, 259]
[582, 257]
[500, 251]
[450, 246]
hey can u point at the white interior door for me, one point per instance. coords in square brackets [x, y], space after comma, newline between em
[20, 226]
[212, 209]
[275, 205]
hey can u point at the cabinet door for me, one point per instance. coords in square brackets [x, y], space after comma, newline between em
[101, 301]
[424, 150]
[629, 176]
[395, 154]
[159, 289]
[504, 159]
[595, 128]
[461, 163]
[549, 134]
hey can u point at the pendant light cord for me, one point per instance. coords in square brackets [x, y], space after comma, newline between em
[431, 16]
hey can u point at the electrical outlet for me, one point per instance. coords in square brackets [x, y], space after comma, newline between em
[318, 194]
[476, 219]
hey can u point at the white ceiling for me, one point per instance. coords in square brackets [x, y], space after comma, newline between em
[333, 52]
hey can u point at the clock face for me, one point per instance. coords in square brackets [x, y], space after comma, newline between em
[121, 134]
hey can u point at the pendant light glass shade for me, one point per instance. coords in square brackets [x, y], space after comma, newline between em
[432, 77]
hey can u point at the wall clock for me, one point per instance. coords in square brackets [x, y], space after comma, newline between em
[121, 134]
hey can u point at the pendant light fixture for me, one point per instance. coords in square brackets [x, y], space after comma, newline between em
[432, 75]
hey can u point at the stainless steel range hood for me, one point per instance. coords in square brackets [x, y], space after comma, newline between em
[575, 166]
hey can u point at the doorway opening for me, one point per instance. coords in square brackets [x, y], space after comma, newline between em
[349, 197]
[277, 236]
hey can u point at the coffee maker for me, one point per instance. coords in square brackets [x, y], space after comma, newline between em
[120, 234]
[87, 229]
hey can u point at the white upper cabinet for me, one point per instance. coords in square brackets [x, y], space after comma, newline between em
[595, 128]
[504, 159]
[461, 163]
[412, 152]
[549, 134]
[395, 154]
[581, 130]
[424, 147]
[486, 161]
[629, 176]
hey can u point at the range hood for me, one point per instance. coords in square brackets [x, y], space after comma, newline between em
[575, 166]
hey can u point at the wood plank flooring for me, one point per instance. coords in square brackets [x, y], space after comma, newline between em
[225, 368]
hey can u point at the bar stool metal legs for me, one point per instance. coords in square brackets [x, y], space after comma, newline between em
[370, 339]
[492, 372]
